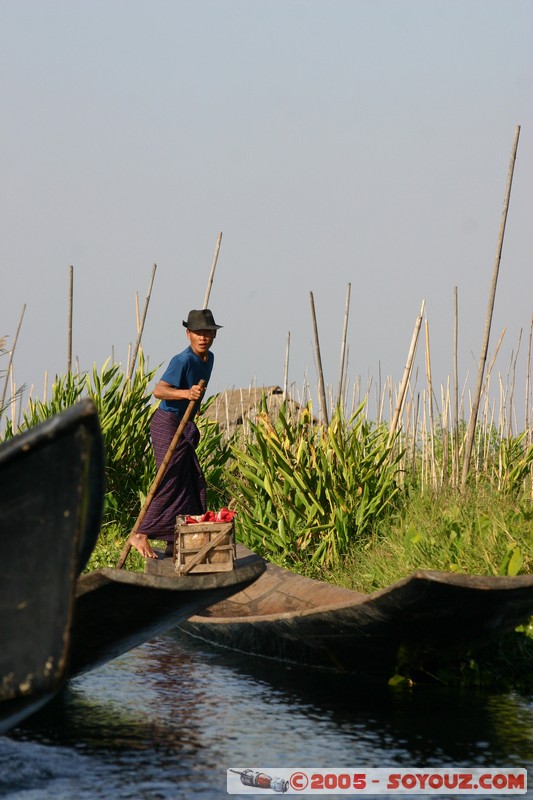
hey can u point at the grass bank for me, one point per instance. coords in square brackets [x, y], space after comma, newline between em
[484, 532]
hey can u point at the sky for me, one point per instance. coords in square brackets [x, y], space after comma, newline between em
[333, 143]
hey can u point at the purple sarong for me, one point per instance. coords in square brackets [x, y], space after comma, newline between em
[182, 489]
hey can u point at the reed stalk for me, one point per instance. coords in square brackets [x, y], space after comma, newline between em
[227, 412]
[13, 396]
[11, 355]
[243, 413]
[513, 381]
[381, 401]
[128, 361]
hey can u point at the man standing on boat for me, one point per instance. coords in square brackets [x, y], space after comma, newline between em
[182, 489]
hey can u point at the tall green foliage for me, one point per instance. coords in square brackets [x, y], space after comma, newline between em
[125, 408]
[214, 453]
[515, 460]
[304, 491]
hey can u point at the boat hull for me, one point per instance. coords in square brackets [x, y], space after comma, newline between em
[51, 480]
[425, 619]
[116, 610]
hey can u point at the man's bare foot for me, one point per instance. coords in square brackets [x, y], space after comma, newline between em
[140, 542]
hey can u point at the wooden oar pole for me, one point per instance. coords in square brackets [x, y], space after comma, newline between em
[157, 480]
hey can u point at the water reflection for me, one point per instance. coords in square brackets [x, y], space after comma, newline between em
[428, 724]
[168, 719]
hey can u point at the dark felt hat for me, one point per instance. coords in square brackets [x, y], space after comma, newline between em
[201, 320]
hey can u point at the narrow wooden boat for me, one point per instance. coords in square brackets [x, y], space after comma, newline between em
[54, 622]
[51, 489]
[117, 610]
[425, 619]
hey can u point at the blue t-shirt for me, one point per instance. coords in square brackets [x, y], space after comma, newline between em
[186, 370]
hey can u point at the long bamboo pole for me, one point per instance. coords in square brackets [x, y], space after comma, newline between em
[488, 321]
[528, 428]
[406, 373]
[141, 328]
[445, 400]
[527, 417]
[321, 386]
[340, 393]
[70, 307]
[430, 409]
[286, 370]
[455, 478]
[415, 435]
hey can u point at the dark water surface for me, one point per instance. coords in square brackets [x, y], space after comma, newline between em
[167, 720]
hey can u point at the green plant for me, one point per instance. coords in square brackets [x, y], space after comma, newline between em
[124, 410]
[304, 492]
[486, 533]
[515, 461]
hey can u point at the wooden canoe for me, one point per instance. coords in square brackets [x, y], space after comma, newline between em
[51, 489]
[117, 610]
[425, 619]
[54, 622]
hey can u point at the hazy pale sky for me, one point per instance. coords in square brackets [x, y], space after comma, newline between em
[332, 142]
